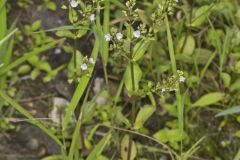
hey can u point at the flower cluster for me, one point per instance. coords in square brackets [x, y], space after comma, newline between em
[118, 36]
[86, 63]
[164, 8]
[167, 85]
[131, 13]
[170, 84]
[83, 15]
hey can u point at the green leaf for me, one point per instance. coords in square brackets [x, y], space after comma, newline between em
[98, 149]
[124, 148]
[237, 67]
[189, 45]
[35, 73]
[101, 157]
[140, 48]
[200, 16]
[208, 99]
[171, 109]
[226, 79]
[88, 111]
[54, 157]
[237, 156]
[43, 65]
[65, 33]
[169, 135]
[120, 118]
[232, 110]
[144, 113]
[235, 85]
[71, 68]
[36, 25]
[238, 133]
[33, 60]
[128, 78]
[51, 5]
[24, 69]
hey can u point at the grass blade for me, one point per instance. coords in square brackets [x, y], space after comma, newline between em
[79, 90]
[99, 147]
[180, 104]
[32, 120]
[229, 111]
[8, 36]
[67, 27]
[3, 30]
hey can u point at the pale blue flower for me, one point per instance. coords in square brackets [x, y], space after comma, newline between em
[91, 60]
[119, 36]
[107, 37]
[84, 67]
[92, 17]
[73, 3]
[182, 79]
[137, 34]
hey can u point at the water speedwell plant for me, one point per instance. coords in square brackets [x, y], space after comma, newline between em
[123, 46]
[129, 46]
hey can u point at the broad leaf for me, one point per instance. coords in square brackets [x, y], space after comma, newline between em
[200, 16]
[140, 48]
[124, 148]
[208, 99]
[128, 77]
[144, 113]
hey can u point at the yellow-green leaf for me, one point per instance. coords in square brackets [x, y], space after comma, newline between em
[144, 113]
[140, 48]
[128, 77]
[124, 148]
[208, 99]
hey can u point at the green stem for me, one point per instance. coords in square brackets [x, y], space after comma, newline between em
[75, 58]
[174, 69]
[133, 101]
[105, 50]
[3, 31]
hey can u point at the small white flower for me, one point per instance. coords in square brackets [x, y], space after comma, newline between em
[84, 66]
[163, 90]
[91, 60]
[92, 17]
[137, 34]
[182, 79]
[119, 36]
[107, 37]
[73, 3]
[57, 51]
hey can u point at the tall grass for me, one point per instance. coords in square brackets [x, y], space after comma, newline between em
[174, 69]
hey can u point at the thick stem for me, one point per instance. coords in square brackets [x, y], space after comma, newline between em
[133, 110]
